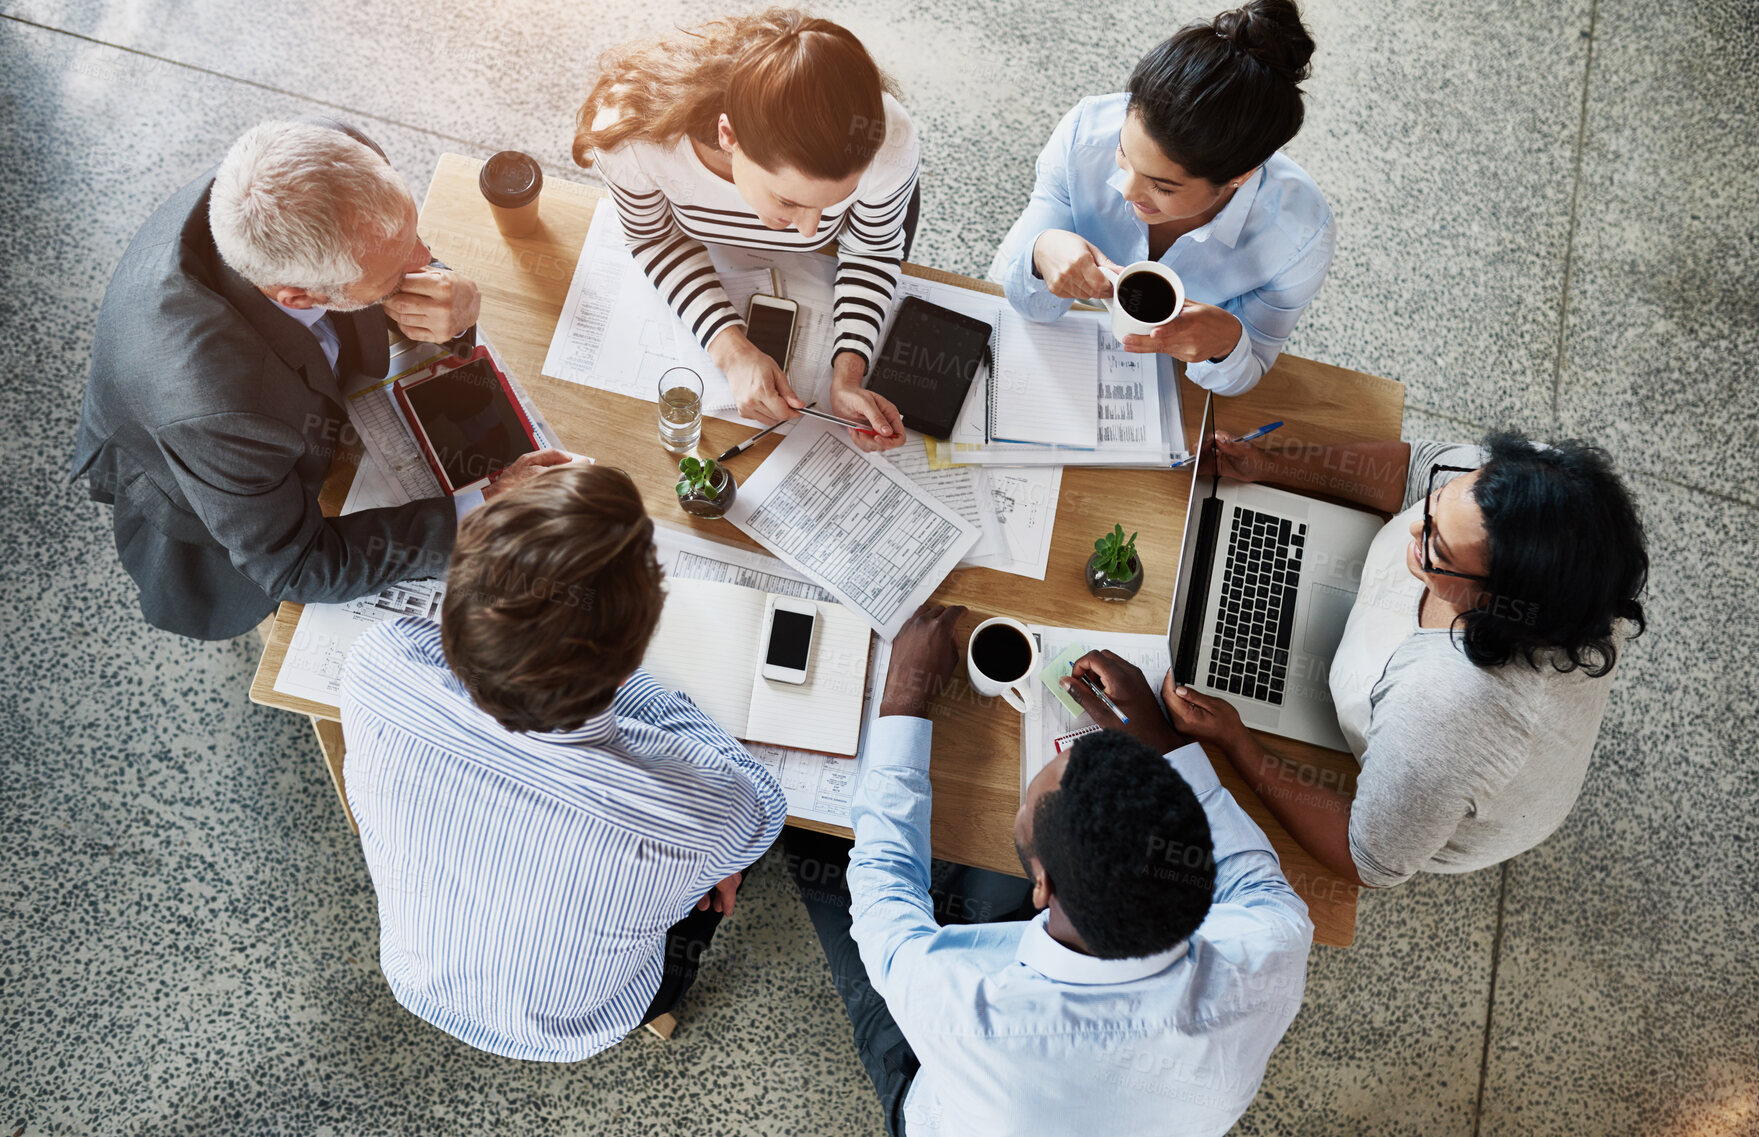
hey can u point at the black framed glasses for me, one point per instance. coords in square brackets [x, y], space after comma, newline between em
[1429, 525]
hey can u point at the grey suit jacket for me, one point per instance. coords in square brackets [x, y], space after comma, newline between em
[209, 422]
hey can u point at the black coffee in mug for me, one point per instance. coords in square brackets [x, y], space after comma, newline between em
[1001, 652]
[1146, 297]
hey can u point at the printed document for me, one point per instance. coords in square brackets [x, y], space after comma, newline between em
[312, 668]
[617, 334]
[1014, 509]
[852, 522]
[1024, 501]
[963, 489]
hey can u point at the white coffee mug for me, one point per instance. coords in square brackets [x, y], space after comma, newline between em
[1123, 323]
[1015, 691]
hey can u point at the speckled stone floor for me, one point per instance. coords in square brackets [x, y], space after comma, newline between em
[1549, 216]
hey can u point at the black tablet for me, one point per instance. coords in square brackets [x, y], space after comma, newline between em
[468, 421]
[928, 362]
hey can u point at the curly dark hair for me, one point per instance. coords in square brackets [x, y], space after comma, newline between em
[553, 592]
[1567, 557]
[1126, 846]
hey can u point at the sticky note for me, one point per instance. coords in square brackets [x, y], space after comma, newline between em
[1052, 673]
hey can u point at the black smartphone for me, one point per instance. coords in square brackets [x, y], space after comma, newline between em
[769, 323]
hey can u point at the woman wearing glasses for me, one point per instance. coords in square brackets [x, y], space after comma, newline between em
[773, 131]
[1186, 168]
[1475, 665]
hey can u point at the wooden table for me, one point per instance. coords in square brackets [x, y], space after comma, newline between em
[976, 764]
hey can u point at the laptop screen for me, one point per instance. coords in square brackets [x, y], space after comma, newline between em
[1190, 555]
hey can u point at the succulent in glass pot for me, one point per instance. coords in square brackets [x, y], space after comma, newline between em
[705, 487]
[1114, 571]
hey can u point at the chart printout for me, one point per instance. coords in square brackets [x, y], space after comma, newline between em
[880, 543]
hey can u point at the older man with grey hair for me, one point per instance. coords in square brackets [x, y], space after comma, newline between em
[227, 335]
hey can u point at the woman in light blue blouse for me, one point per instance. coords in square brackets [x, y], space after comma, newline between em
[1184, 168]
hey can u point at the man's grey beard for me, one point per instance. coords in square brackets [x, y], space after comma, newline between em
[339, 305]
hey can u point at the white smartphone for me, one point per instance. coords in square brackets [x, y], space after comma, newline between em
[790, 626]
[769, 323]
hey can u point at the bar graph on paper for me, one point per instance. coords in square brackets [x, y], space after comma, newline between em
[373, 413]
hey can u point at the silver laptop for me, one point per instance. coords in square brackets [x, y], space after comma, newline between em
[1266, 581]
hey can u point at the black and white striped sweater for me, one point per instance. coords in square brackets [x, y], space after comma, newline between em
[670, 204]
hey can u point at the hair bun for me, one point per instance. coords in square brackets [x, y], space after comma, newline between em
[1270, 32]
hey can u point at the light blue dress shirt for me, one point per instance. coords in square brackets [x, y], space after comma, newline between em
[1018, 1034]
[526, 882]
[1262, 258]
[321, 329]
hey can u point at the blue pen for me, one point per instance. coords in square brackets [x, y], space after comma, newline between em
[1261, 431]
[1257, 434]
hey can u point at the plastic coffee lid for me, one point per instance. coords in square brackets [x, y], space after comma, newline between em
[510, 179]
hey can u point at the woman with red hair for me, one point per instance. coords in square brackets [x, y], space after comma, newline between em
[771, 131]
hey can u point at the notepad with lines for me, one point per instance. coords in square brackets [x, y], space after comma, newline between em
[708, 645]
[1046, 383]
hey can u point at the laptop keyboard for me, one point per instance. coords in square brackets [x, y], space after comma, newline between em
[1255, 619]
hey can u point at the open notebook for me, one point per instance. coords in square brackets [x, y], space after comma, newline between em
[708, 646]
[1045, 385]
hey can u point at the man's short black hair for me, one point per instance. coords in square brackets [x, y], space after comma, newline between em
[1126, 846]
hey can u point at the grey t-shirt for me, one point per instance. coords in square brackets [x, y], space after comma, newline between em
[1462, 766]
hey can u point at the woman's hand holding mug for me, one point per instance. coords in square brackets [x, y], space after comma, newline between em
[1199, 332]
[1071, 266]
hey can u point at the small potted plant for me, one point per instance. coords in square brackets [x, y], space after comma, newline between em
[1114, 572]
[706, 488]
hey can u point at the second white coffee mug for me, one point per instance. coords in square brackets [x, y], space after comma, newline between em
[1003, 654]
[1126, 324]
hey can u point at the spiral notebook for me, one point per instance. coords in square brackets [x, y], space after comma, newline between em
[1045, 385]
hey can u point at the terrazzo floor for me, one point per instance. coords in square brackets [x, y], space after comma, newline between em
[1549, 217]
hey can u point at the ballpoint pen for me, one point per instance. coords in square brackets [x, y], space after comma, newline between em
[1104, 698]
[1260, 432]
[735, 451]
[850, 423]
[807, 411]
[1257, 434]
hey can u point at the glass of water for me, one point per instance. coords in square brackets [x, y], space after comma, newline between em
[680, 410]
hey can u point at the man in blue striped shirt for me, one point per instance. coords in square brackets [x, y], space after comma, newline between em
[1146, 997]
[552, 835]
